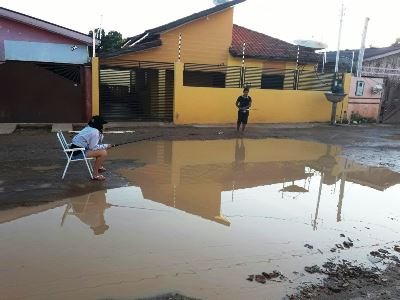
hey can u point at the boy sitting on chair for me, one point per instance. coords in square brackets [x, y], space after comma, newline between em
[91, 138]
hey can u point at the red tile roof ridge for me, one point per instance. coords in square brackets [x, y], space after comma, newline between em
[263, 46]
[260, 33]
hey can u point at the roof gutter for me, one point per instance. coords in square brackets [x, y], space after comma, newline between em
[276, 58]
[138, 41]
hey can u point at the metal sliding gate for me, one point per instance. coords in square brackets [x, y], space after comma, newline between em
[137, 91]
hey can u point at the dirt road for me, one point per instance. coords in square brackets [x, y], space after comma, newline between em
[32, 162]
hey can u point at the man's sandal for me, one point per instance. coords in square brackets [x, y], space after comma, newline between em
[102, 170]
[99, 178]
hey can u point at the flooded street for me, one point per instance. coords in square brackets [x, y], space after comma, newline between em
[199, 217]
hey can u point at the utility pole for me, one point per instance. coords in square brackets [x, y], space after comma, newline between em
[339, 37]
[243, 69]
[97, 35]
[296, 77]
[362, 49]
[179, 47]
[94, 42]
[352, 64]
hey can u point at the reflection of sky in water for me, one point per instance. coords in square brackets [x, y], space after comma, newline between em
[264, 209]
[199, 223]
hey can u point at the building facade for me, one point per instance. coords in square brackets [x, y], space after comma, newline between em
[44, 71]
[161, 73]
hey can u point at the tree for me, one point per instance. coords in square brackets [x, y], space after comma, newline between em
[397, 42]
[111, 41]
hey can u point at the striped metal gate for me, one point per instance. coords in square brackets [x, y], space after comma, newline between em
[220, 76]
[137, 91]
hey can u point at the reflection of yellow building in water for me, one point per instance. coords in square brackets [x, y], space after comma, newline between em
[190, 175]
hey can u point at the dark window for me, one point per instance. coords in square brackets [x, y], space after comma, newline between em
[219, 80]
[204, 79]
[275, 81]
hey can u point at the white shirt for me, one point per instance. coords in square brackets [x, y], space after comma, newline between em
[89, 138]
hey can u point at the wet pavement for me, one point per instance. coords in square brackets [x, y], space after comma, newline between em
[198, 218]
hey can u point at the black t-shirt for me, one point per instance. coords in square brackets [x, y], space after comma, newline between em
[243, 101]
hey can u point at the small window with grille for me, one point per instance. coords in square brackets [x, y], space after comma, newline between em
[275, 81]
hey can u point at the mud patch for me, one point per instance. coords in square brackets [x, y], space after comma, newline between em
[171, 296]
[347, 281]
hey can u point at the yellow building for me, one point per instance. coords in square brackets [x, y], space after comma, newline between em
[210, 37]
[161, 73]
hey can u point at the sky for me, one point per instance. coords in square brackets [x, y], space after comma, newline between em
[287, 20]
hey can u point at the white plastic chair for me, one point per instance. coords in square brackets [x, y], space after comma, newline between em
[69, 152]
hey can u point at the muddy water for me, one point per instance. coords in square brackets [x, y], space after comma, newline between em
[198, 218]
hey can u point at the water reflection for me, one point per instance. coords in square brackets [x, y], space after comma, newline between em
[89, 209]
[198, 218]
[240, 154]
[191, 175]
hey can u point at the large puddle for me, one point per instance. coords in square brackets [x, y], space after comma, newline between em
[198, 218]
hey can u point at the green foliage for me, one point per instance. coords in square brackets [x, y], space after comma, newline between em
[108, 42]
[397, 42]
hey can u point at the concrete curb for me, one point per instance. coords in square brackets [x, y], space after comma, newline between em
[63, 127]
[7, 128]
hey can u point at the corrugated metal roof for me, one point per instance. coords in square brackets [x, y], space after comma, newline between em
[370, 53]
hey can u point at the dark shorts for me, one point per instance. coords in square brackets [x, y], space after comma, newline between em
[243, 116]
[77, 154]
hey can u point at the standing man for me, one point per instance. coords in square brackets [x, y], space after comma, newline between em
[243, 103]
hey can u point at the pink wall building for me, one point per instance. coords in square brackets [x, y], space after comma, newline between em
[44, 68]
[365, 97]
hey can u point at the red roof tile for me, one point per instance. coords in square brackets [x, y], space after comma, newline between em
[262, 46]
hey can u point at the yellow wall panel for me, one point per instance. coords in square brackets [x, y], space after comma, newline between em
[197, 105]
[95, 87]
[201, 105]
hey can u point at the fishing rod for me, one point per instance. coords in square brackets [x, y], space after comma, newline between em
[139, 140]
